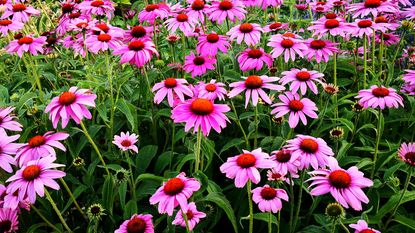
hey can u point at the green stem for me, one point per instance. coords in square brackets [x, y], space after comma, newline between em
[333, 228]
[291, 194]
[57, 211]
[256, 127]
[238, 122]
[373, 51]
[300, 196]
[335, 69]
[198, 149]
[381, 53]
[109, 77]
[65, 185]
[344, 227]
[364, 60]
[251, 209]
[172, 145]
[269, 222]
[44, 219]
[34, 74]
[129, 161]
[184, 215]
[378, 135]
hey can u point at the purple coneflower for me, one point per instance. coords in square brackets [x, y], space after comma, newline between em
[362, 227]
[7, 120]
[268, 198]
[19, 12]
[140, 223]
[209, 44]
[183, 22]
[126, 141]
[27, 44]
[138, 52]
[379, 96]
[231, 9]
[170, 87]
[321, 50]
[251, 59]
[371, 7]
[301, 79]
[250, 33]
[192, 214]
[287, 46]
[198, 65]
[212, 90]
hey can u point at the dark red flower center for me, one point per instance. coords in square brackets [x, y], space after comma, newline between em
[367, 231]
[303, 76]
[3, 2]
[255, 53]
[364, 23]
[151, 7]
[246, 160]
[287, 43]
[81, 25]
[173, 186]
[136, 225]
[289, 34]
[31, 172]
[410, 156]
[225, 5]
[276, 175]
[372, 3]
[331, 16]
[321, 3]
[5, 225]
[202, 107]
[283, 156]
[296, 105]
[246, 28]
[199, 61]
[182, 17]
[309, 145]
[189, 215]
[275, 26]
[104, 37]
[5, 22]
[336, 132]
[212, 38]
[210, 87]
[198, 5]
[331, 23]
[126, 143]
[380, 92]
[74, 15]
[338, 3]
[37, 141]
[67, 8]
[138, 31]
[319, 9]
[317, 44]
[170, 82]
[19, 7]
[103, 27]
[136, 45]
[18, 36]
[340, 179]
[25, 40]
[67, 98]
[97, 3]
[253, 82]
[386, 36]
[381, 19]
[268, 193]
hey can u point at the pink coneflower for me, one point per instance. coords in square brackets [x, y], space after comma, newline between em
[409, 12]
[250, 33]
[334, 27]
[364, 27]
[379, 96]
[176, 191]
[138, 223]
[71, 104]
[407, 153]
[408, 77]
[154, 11]
[170, 87]
[388, 39]
[274, 27]
[7, 120]
[76, 43]
[201, 114]
[244, 167]
[251, 59]
[209, 44]
[268, 198]
[297, 107]
[97, 7]
[138, 52]
[7, 26]
[183, 22]
[102, 42]
[300, 79]
[231, 9]
[286, 45]
[137, 32]
[408, 89]
[9, 220]
[212, 90]
[373, 7]
[7, 149]
[285, 161]
[12, 201]
[198, 65]
[81, 25]
[277, 176]
[126, 141]
[197, 10]
[27, 44]
[311, 151]
[40, 146]
[362, 227]
[269, 3]
[31, 178]
[192, 214]
[344, 185]
[253, 86]
[70, 21]
[19, 12]
[321, 50]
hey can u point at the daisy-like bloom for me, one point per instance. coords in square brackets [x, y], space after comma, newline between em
[126, 141]
[71, 104]
[297, 107]
[154, 11]
[169, 88]
[7, 26]
[7, 149]
[27, 44]
[102, 42]
[344, 185]
[274, 27]
[244, 167]
[82, 25]
[379, 97]
[197, 10]
[19, 12]
[198, 65]
[362, 227]
[9, 220]
[371, 7]
[288, 46]
[334, 27]
[286, 162]
[253, 86]
[250, 33]
[192, 214]
[176, 191]
[40, 146]
[201, 114]
[408, 89]
[388, 39]
[231, 9]
[7, 120]
[408, 77]
[311, 151]
[137, 32]
[138, 223]
[321, 50]
[409, 12]
[268, 198]
[32, 178]
[212, 90]
[138, 52]
[269, 3]
[183, 22]
[276, 176]
[364, 27]
[300, 79]
[12, 201]
[330, 88]
[209, 44]
[97, 7]
[407, 153]
[251, 59]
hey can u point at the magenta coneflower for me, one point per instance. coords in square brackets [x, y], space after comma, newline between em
[274, 27]
[231, 9]
[244, 167]
[71, 104]
[27, 44]
[137, 32]
[19, 12]
[212, 90]
[198, 65]
[321, 50]
[388, 39]
[97, 7]
[253, 86]
[379, 96]
[297, 107]
[7, 26]
[344, 185]
[408, 77]
[138, 223]
[31, 178]
[9, 220]
[371, 7]
[277, 176]
[364, 27]
[250, 33]
[251, 59]
[197, 10]
[170, 87]
[269, 3]
[138, 52]
[409, 12]
[311, 151]
[192, 214]
[334, 27]
[285, 161]
[268, 199]
[7, 120]
[81, 25]
[209, 44]
[7, 149]
[287, 45]
[176, 191]
[102, 42]
[12, 201]
[362, 227]
[126, 141]
[407, 153]
[183, 22]
[300, 79]
[154, 11]
[40, 146]
[201, 114]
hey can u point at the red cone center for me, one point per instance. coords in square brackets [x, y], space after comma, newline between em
[136, 45]
[104, 37]
[246, 28]
[331, 23]
[151, 7]
[198, 5]
[317, 44]
[275, 26]
[283, 156]
[202, 107]
[255, 53]
[225, 5]
[170, 82]
[31, 172]
[5, 22]
[138, 31]
[309, 145]
[296, 105]
[268, 193]
[182, 17]
[287, 43]
[212, 38]
[253, 82]
[372, 3]
[364, 23]
[67, 98]
[25, 40]
[97, 3]
[340, 179]
[18, 7]
[246, 160]
[37, 141]
[210, 87]
[136, 225]
[303, 76]
[173, 186]
[199, 61]
[380, 92]
[126, 143]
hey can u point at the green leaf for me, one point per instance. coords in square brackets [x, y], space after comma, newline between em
[108, 193]
[147, 176]
[265, 217]
[220, 200]
[232, 143]
[144, 157]
[122, 192]
[78, 191]
[127, 111]
[130, 209]
[410, 223]
[393, 200]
